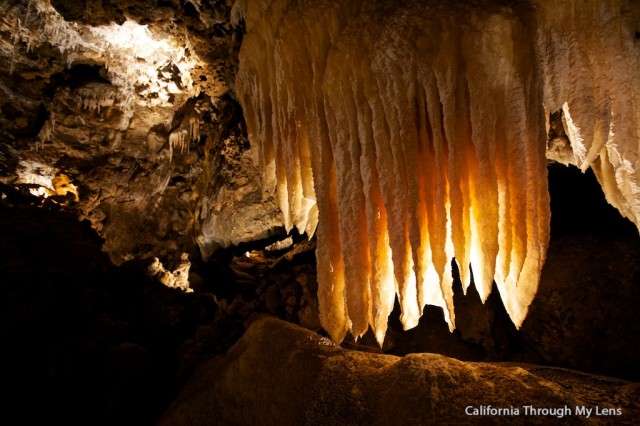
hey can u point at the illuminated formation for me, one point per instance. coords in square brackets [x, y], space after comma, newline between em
[590, 57]
[415, 132]
[133, 56]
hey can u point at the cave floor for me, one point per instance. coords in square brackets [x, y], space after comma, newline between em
[88, 341]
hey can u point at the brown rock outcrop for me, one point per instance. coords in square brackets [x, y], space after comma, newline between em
[132, 101]
[281, 374]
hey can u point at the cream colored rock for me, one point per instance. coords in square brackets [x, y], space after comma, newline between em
[422, 142]
[425, 123]
[178, 278]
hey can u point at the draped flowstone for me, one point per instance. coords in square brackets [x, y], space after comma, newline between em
[413, 133]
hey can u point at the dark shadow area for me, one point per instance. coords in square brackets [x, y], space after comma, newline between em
[583, 314]
[81, 74]
[578, 205]
[84, 342]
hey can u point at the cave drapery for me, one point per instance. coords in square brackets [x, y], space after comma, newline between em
[413, 133]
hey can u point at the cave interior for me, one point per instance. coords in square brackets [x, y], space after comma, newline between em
[329, 212]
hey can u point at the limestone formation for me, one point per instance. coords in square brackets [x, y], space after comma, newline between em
[415, 132]
[280, 374]
[137, 111]
[400, 136]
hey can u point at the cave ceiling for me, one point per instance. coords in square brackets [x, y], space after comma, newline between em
[133, 102]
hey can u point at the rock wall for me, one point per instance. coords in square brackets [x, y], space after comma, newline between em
[137, 111]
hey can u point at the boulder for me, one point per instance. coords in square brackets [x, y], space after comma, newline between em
[281, 374]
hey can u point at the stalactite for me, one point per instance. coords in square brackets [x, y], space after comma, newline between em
[188, 132]
[418, 128]
[46, 133]
[592, 75]
[94, 99]
[178, 139]
[194, 129]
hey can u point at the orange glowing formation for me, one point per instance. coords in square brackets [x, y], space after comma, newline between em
[413, 133]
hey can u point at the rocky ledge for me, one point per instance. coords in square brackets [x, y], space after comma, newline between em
[279, 373]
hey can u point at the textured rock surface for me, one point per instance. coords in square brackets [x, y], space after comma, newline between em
[281, 374]
[429, 146]
[151, 137]
[159, 154]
